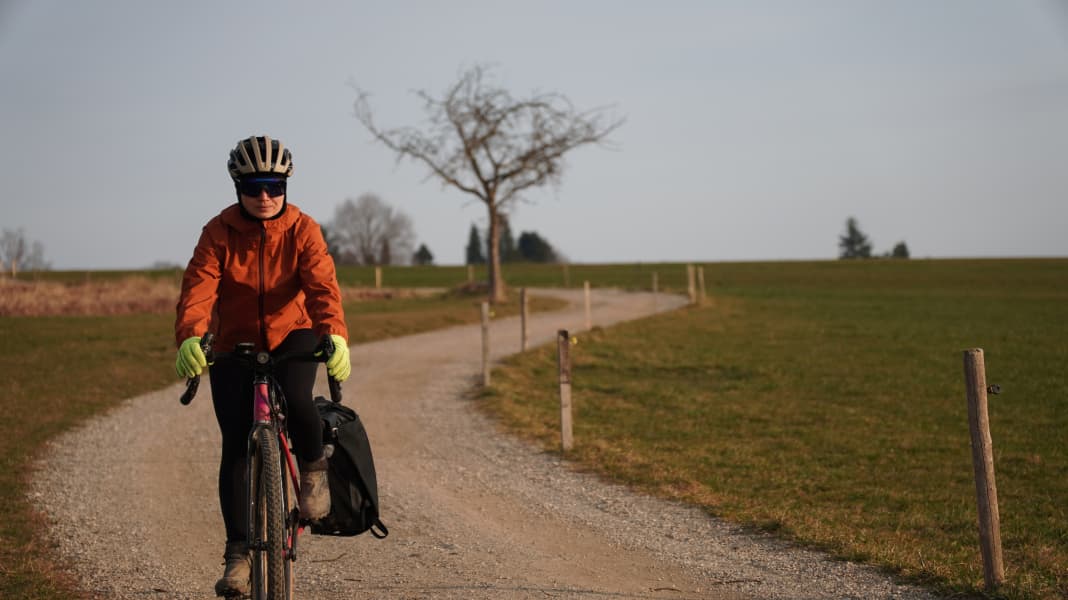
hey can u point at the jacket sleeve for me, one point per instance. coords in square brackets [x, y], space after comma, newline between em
[322, 296]
[200, 286]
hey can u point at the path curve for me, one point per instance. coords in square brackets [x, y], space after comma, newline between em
[131, 499]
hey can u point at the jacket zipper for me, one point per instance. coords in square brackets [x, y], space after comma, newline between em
[263, 311]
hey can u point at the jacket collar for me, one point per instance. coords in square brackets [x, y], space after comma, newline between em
[232, 217]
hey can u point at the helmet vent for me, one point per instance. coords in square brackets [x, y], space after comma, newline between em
[259, 154]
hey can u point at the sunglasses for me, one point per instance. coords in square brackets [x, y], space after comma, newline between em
[253, 187]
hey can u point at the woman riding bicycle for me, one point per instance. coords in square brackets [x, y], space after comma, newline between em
[261, 273]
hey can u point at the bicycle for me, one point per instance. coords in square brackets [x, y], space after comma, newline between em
[273, 489]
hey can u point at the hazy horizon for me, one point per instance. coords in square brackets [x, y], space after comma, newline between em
[753, 129]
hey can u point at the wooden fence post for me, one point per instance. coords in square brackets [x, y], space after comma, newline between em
[470, 273]
[524, 313]
[701, 285]
[656, 289]
[378, 278]
[563, 362]
[485, 345]
[983, 461]
[589, 317]
[691, 286]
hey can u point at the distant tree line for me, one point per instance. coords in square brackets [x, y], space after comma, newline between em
[530, 247]
[855, 244]
[368, 231]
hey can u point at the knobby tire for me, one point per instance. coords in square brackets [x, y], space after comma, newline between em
[271, 574]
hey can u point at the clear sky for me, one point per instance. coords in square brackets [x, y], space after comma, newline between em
[754, 128]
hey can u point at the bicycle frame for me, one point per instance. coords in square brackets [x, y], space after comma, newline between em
[263, 541]
[271, 468]
[267, 411]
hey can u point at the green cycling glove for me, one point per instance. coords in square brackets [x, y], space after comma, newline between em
[191, 360]
[339, 367]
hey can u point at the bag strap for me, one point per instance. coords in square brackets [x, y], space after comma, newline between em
[380, 525]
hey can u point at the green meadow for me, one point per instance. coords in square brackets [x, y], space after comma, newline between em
[825, 401]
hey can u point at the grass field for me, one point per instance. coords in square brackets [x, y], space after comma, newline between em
[58, 370]
[825, 401]
[822, 400]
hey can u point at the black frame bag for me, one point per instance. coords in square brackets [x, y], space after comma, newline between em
[351, 474]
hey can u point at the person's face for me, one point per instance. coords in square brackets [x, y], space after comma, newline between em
[262, 198]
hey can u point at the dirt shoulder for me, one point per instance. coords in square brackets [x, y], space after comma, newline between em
[472, 513]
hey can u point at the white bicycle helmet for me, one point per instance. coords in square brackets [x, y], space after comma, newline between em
[259, 154]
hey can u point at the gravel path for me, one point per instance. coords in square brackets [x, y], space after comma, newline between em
[131, 498]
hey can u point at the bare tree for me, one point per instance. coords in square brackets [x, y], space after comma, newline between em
[13, 249]
[35, 260]
[17, 253]
[368, 231]
[486, 143]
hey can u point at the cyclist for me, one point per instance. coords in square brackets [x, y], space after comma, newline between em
[261, 273]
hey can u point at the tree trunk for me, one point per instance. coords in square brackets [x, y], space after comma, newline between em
[496, 281]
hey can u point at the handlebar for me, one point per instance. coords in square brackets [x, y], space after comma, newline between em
[262, 361]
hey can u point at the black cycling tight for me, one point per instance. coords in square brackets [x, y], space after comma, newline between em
[231, 391]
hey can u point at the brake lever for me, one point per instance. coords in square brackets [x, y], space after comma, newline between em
[193, 383]
[335, 389]
[191, 386]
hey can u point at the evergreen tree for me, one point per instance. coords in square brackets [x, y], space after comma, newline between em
[900, 251]
[854, 244]
[474, 248]
[423, 256]
[508, 249]
[534, 248]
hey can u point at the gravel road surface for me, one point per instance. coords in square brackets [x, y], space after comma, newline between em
[132, 502]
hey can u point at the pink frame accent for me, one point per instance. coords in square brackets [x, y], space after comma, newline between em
[291, 462]
[261, 409]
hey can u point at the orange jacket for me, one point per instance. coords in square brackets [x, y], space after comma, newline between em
[256, 281]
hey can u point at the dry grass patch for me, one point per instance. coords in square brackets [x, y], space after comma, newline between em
[370, 294]
[130, 295]
[134, 295]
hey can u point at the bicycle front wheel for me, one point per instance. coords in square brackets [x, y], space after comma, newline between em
[271, 574]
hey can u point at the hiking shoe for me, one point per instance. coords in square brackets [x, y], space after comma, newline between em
[314, 490]
[235, 579]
